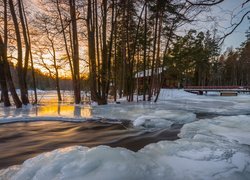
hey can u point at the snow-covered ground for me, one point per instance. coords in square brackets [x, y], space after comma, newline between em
[214, 147]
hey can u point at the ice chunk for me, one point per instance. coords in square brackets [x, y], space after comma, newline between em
[164, 118]
[229, 128]
[182, 159]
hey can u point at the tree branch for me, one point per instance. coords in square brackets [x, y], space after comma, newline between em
[205, 3]
[243, 4]
[222, 39]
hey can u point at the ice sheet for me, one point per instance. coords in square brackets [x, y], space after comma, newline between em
[206, 151]
[214, 148]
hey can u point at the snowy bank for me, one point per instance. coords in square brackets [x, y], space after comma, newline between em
[209, 149]
[210, 103]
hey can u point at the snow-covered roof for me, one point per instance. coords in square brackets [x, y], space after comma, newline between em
[148, 72]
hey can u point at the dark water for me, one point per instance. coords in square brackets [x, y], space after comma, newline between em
[20, 141]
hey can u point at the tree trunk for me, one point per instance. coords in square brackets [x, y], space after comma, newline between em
[26, 42]
[105, 60]
[24, 95]
[75, 58]
[91, 50]
[153, 61]
[8, 77]
[3, 84]
[56, 70]
[145, 52]
[31, 57]
[163, 65]
[64, 38]
[110, 47]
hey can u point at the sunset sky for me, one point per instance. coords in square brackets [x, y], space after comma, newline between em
[224, 15]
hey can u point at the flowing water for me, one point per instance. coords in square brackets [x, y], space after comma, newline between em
[23, 140]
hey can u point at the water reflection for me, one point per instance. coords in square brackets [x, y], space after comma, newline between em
[64, 110]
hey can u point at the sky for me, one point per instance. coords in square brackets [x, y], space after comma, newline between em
[222, 14]
[228, 13]
[222, 17]
[235, 6]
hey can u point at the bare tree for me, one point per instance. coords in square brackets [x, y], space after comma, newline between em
[20, 69]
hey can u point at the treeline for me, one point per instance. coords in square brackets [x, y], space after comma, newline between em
[195, 59]
[43, 82]
[110, 40]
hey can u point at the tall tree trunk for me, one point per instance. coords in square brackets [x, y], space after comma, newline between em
[110, 47]
[90, 21]
[76, 77]
[7, 72]
[158, 67]
[3, 84]
[163, 65]
[115, 56]
[105, 60]
[8, 76]
[133, 56]
[95, 24]
[24, 95]
[145, 51]
[26, 42]
[31, 56]
[153, 60]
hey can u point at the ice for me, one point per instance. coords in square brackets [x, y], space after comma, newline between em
[210, 103]
[164, 118]
[141, 115]
[227, 128]
[215, 148]
[210, 148]
[177, 101]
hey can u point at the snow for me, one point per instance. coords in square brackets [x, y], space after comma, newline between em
[227, 128]
[222, 156]
[164, 118]
[215, 147]
[210, 103]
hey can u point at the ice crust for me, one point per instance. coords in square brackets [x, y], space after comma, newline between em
[210, 103]
[164, 118]
[209, 149]
[216, 148]
[141, 115]
[171, 101]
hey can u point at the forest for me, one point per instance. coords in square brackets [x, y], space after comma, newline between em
[113, 48]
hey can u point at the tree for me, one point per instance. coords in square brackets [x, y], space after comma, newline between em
[75, 53]
[20, 69]
[46, 26]
[3, 83]
[6, 72]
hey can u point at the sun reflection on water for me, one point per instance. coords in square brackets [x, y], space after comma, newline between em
[65, 110]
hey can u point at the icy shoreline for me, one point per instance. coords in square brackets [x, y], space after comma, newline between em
[214, 148]
[207, 150]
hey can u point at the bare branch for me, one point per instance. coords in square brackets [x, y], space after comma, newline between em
[205, 3]
[222, 39]
[243, 4]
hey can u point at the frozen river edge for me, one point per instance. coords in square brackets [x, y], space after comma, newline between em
[216, 148]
